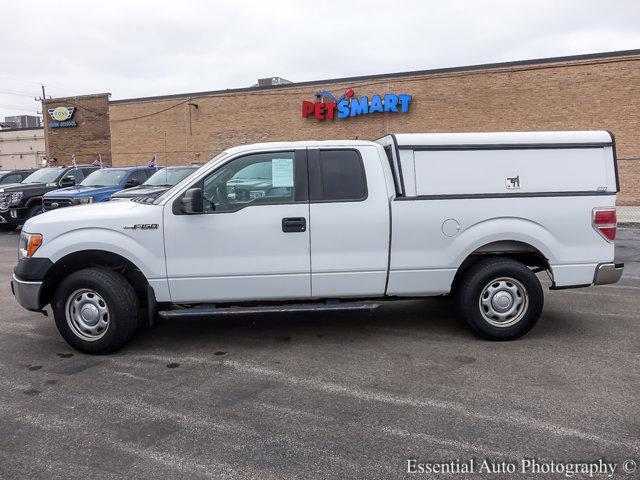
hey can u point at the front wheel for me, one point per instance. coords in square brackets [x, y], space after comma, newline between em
[96, 310]
[500, 298]
[35, 210]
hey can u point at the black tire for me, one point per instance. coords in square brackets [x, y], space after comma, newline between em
[4, 227]
[493, 280]
[34, 210]
[121, 303]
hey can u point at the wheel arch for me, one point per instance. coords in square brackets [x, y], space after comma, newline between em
[33, 201]
[96, 258]
[518, 250]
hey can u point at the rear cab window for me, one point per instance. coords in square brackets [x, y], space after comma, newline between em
[336, 176]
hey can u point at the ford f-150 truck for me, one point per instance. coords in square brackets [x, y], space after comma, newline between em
[336, 225]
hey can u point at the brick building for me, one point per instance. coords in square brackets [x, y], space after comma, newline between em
[585, 92]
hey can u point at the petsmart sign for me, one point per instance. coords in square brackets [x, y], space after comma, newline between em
[348, 105]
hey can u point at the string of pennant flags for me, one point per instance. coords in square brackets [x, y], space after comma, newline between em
[153, 162]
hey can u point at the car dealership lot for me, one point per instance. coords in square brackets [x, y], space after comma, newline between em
[339, 395]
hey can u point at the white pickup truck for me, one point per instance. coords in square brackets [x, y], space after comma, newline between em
[316, 225]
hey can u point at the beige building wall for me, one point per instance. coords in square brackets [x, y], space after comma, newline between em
[21, 148]
[592, 94]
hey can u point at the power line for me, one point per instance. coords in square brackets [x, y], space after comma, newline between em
[17, 93]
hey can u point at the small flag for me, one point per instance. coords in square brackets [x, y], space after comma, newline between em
[98, 161]
[73, 160]
[154, 161]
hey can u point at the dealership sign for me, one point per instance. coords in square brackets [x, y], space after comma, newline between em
[348, 105]
[61, 117]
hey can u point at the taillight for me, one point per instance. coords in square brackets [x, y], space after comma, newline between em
[605, 222]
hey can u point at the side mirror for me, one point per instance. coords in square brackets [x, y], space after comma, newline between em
[132, 182]
[67, 182]
[192, 201]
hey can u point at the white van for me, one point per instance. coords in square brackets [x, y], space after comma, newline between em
[336, 225]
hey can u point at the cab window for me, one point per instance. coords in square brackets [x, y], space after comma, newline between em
[257, 179]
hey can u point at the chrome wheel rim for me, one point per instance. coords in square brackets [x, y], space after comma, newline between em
[87, 314]
[503, 302]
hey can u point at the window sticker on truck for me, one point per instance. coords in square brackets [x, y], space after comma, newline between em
[348, 105]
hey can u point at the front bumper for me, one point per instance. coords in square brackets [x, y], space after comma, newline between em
[607, 273]
[12, 216]
[27, 293]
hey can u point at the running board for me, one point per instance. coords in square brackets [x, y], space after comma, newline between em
[206, 311]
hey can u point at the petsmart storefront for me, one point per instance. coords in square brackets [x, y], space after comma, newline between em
[587, 92]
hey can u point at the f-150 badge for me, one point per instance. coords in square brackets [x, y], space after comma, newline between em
[141, 226]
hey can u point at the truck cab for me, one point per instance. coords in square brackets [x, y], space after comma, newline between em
[322, 225]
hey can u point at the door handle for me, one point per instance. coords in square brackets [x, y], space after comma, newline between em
[294, 224]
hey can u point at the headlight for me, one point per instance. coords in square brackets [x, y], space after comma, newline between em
[29, 243]
[15, 198]
[85, 200]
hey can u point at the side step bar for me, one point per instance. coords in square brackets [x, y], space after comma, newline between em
[206, 311]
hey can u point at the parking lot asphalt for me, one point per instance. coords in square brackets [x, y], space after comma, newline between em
[332, 396]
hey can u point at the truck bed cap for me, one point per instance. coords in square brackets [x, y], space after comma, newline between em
[503, 138]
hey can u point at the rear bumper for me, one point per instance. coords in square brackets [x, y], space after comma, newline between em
[27, 293]
[608, 273]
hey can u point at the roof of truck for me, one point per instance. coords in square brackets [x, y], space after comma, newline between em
[503, 138]
[294, 145]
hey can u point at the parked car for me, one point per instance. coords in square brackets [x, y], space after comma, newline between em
[20, 201]
[97, 187]
[157, 184]
[337, 225]
[13, 176]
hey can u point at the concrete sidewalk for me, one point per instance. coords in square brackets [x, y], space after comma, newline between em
[629, 215]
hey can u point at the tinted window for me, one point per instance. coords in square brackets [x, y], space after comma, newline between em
[76, 173]
[88, 171]
[253, 179]
[140, 176]
[341, 176]
[11, 178]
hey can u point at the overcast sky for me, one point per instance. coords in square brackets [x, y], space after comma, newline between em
[142, 48]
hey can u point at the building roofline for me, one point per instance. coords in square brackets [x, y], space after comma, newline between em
[381, 76]
[77, 97]
[21, 129]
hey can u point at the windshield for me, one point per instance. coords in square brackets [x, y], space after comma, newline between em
[187, 180]
[168, 177]
[44, 175]
[106, 177]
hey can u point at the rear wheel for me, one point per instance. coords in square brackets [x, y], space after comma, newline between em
[96, 310]
[500, 298]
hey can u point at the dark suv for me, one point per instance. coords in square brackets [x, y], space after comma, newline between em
[14, 176]
[20, 201]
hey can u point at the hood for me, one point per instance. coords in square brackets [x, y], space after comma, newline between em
[141, 191]
[24, 187]
[80, 191]
[109, 215]
[15, 187]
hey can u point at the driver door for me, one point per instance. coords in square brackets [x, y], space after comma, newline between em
[252, 241]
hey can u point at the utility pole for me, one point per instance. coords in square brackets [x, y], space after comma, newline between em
[46, 139]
